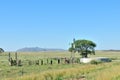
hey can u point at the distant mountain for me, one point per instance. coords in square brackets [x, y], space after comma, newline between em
[37, 49]
[112, 50]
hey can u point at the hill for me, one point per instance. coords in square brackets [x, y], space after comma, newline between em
[111, 50]
[37, 49]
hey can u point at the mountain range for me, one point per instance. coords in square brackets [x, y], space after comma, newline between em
[37, 49]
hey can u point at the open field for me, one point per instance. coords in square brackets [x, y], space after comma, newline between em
[77, 71]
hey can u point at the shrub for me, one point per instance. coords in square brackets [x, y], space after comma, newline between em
[95, 62]
[106, 60]
[1, 50]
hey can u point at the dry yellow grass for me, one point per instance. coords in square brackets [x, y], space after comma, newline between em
[54, 74]
[109, 74]
[76, 72]
[107, 71]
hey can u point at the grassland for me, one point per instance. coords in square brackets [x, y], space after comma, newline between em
[103, 71]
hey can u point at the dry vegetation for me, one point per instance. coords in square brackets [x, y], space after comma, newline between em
[103, 71]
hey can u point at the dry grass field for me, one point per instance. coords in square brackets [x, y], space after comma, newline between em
[77, 71]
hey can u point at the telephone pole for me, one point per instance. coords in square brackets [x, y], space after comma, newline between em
[73, 50]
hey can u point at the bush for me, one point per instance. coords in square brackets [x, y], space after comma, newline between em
[95, 62]
[77, 60]
[105, 60]
[115, 58]
[1, 50]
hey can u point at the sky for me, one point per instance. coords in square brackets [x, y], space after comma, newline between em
[54, 23]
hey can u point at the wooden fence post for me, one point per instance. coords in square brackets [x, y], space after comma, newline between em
[58, 61]
[19, 63]
[30, 62]
[47, 61]
[9, 56]
[37, 62]
[41, 62]
[51, 62]
[16, 59]
[11, 62]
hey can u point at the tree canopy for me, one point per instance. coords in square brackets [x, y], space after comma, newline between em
[1, 50]
[84, 47]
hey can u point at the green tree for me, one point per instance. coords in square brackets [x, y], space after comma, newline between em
[72, 49]
[1, 50]
[84, 47]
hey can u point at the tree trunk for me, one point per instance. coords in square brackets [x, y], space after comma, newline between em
[84, 55]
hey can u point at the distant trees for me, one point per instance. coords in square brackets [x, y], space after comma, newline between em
[84, 47]
[1, 50]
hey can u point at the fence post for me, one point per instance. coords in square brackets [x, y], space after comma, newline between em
[37, 62]
[16, 58]
[58, 61]
[30, 62]
[51, 62]
[47, 61]
[41, 62]
[11, 62]
[19, 63]
[9, 56]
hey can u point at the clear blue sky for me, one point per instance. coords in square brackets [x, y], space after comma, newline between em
[54, 23]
